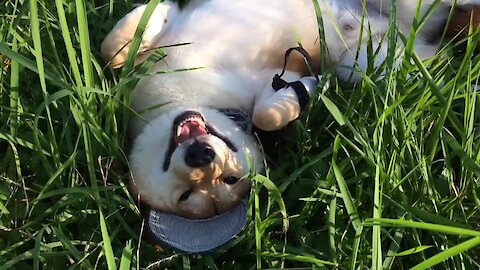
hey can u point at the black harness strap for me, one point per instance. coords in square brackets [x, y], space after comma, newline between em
[300, 90]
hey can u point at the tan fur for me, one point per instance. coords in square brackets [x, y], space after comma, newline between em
[462, 19]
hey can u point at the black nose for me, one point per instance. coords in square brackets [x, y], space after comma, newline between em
[199, 154]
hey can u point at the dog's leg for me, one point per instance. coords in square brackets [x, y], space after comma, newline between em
[117, 43]
[273, 110]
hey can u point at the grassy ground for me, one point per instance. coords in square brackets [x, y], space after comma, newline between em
[385, 173]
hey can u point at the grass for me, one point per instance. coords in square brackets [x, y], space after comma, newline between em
[384, 174]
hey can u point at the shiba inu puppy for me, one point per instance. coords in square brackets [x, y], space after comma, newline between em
[193, 147]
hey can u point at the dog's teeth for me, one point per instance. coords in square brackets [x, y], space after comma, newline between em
[190, 119]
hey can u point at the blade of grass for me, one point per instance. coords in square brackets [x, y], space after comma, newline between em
[37, 43]
[356, 249]
[21, 257]
[333, 109]
[393, 249]
[211, 263]
[276, 195]
[421, 225]
[14, 95]
[186, 262]
[413, 250]
[347, 197]
[301, 258]
[332, 212]
[36, 249]
[126, 260]
[68, 245]
[448, 253]
[107, 244]
[54, 176]
[84, 42]
[26, 62]
[258, 221]
[377, 213]
[71, 53]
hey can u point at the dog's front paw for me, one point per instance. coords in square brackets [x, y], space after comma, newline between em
[116, 45]
[275, 109]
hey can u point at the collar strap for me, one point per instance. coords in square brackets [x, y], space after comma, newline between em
[240, 117]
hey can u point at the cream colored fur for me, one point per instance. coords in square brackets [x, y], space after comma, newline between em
[239, 46]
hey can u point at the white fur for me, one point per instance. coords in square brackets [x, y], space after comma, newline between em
[239, 46]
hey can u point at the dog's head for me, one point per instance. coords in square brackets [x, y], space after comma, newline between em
[193, 163]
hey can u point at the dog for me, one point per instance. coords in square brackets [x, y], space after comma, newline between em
[190, 156]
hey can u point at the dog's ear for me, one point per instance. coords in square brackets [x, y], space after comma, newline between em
[116, 44]
[463, 17]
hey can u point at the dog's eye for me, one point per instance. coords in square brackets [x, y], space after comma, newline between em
[184, 196]
[230, 180]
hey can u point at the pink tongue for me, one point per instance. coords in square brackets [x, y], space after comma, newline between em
[190, 130]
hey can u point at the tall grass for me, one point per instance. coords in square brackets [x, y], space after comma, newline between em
[383, 174]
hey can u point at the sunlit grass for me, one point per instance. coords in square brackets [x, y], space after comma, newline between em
[381, 174]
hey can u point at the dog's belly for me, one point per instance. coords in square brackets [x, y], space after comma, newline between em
[237, 46]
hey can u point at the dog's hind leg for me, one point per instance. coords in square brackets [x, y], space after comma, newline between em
[116, 44]
[273, 110]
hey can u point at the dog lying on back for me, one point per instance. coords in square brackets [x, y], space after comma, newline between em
[190, 155]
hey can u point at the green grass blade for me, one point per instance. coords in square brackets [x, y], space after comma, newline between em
[258, 221]
[413, 250]
[107, 244]
[28, 63]
[448, 253]
[377, 213]
[126, 260]
[68, 244]
[333, 109]
[38, 53]
[346, 196]
[37, 43]
[14, 95]
[211, 263]
[71, 53]
[84, 42]
[332, 228]
[301, 258]
[36, 250]
[61, 169]
[421, 225]
[276, 195]
[186, 262]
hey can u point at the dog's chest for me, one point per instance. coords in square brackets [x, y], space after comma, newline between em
[232, 49]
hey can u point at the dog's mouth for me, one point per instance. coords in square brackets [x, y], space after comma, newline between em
[190, 125]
